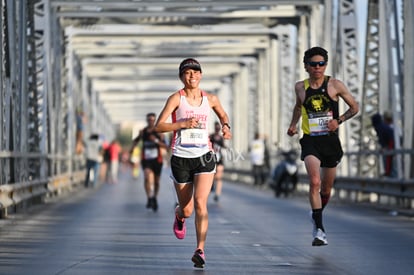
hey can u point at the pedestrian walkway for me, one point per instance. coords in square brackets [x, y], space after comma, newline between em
[109, 231]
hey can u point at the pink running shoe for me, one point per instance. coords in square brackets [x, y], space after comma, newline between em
[198, 258]
[179, 227]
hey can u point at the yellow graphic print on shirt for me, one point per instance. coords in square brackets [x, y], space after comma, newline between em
[316, 110]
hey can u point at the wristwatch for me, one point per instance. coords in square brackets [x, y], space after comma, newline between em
[227, 125]
[339, 121]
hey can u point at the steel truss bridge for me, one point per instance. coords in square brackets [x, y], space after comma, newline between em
[117, 60]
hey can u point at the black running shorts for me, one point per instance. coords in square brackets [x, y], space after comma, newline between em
[184, 169]
[327, 149]
[152, 164]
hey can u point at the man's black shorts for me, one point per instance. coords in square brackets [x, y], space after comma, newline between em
[184, 169]
[152, 164]
[327, 149]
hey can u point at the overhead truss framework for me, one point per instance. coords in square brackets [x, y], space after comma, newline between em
[117, 60]
[130, 46]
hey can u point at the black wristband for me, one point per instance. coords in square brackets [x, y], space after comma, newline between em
[227, 125]
[339, 121]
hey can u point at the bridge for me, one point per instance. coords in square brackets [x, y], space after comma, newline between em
[104, 64]
[115, 61]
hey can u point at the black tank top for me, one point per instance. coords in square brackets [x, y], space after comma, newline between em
[317, 109]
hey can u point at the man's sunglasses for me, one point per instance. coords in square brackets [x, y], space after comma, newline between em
[314, 64]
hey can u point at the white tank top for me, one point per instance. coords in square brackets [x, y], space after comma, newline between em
[195, 142]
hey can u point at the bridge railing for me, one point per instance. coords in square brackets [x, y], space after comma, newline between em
[389, 191]
[39, 185]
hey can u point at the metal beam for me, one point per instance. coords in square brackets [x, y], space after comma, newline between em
[180, 3]
[408, 118]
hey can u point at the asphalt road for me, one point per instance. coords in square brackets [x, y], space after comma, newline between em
[108, 230]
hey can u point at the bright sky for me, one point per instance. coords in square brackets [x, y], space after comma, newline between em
[361, 11]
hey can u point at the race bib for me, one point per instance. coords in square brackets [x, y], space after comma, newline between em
[318, 123]
[151, 153]
[194, 137]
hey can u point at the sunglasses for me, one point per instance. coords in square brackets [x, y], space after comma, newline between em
[314, 64]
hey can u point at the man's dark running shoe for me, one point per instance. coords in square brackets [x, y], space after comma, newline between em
[199, 259]
[319, 238]
[179, 227]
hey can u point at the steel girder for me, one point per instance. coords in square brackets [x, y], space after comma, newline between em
[52, 104]
[349, 73]
[4, 76]
[15, 131]
[370, 96]
[408, 118]
[32, 120]
[18, 110]
[33, 97]
[384, 88]
[391, 84]
[287, 76]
